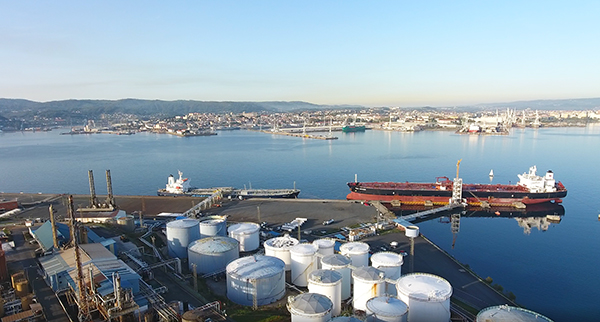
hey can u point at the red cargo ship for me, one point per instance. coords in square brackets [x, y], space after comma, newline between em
[531, 189]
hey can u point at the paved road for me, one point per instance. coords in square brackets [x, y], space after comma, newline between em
[23, 258]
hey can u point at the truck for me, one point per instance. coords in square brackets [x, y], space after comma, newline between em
[394, 244]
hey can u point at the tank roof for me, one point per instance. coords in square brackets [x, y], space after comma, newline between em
[355, 248]
[387, 259]
[368, 273]
[324, 242]
[217, 244]
[244, 228]
[256, 266]
[212, 221]
[424, 287]
[387, 306]
[284, 242]
[310, 303]
[325, 276]
[336, 260]
[304, 249]
[509, 313]
[182, 223]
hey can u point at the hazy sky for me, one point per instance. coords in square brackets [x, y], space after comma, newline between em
[395, 53]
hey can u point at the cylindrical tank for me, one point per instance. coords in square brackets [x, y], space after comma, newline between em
[427, 296]
[369, 282]
[212, 254]
[26, 302]
[310, 307]
[340, 263]
[509, 313]
[127, 223]
[411, 231]
[22, 288]
[329, 283]
[358, 253]
[386, 309]
[260, 277]
[180, 233]
[18, 276]
[325, 247]
[280, 247]
[247, 234]
[303, 263]
[211, 226]
[391, 264]
[193, 316]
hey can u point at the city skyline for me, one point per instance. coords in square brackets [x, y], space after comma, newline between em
[392, 53]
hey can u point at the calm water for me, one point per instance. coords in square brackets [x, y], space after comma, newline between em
[553, 272]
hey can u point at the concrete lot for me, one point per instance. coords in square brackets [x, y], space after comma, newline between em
[428, 258]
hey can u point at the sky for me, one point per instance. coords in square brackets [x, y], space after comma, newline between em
[372, 53]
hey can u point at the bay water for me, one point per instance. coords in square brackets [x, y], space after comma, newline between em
[552, 270]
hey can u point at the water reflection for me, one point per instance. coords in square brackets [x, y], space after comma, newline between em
[533, 217]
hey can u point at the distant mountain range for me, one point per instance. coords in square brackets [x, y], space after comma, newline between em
[16, 107]
[91, 108]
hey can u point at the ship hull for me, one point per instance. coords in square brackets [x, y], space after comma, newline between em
[475, 195]
[353, 128]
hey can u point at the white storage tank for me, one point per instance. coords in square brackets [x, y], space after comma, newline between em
[127, 223]
[180, 233]
[260, 276]
[358, 253]
[280, 247]
[369, 282]
[211, 226]
[386, 309]
[325, 247]
[340, 263]
[310, 307]
[509, 313]
[303, 263]
[427, 296]
[412, 231]
[329, 283]
[212, 254]
[247, 234]
[391, 264]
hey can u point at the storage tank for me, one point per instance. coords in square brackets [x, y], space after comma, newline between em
[280, 247]
[257, 276]
[21, 288]
[386, 309]
[369, 282]
[391, 264]
[180, 233]
[329, 283]
[211, 226]
[427, 296]
[310, 307]
[303, 263]
[358, 253]
[127, 223]
[212, 254]
[325, 247]
[509, 313]
[247, 234]
[340, 263]
[412, 231]
[193, 316]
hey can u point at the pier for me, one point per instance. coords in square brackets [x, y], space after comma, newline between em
[301, 135]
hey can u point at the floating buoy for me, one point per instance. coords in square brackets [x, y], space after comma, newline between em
[498, 213]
